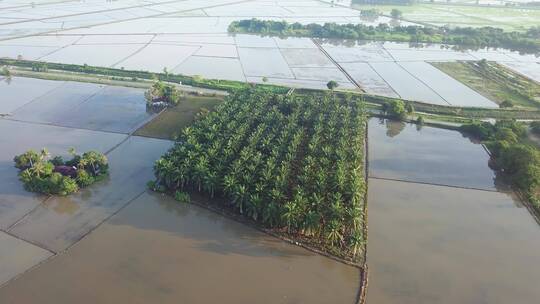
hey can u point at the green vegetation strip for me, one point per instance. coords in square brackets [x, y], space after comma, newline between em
[119, 74]
[291, 163]
[495, 82]
[134, 78]
[528, 41]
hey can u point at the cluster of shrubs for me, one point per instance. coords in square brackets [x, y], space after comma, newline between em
[162, 95]
[43, 174]
[397, 109]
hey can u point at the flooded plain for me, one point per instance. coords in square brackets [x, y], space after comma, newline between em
[114, 242]
[191, 38]
[444, 244]
[159, 251]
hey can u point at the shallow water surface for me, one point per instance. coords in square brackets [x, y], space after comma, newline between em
[432, 244]
[428, 155]
[444, 244]
[159, 251]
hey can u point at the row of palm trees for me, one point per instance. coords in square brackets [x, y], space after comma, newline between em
[293, 162]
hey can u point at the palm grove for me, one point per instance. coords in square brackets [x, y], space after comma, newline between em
[293, 164]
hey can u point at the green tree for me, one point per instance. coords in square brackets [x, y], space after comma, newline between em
[396, 14]
[331, 85]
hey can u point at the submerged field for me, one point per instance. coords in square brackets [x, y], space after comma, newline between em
[495, 82]
[443, 228]
[116, 242]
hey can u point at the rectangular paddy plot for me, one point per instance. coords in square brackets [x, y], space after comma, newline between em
[138, 256]
[156, 57]
[320, 74]
[294, 43]
[496, 82]
[113, 109]
[212, 68]
[306, 58]
[406, 85]
[18, 137]
[527, 69]
[413, 54]
[429, 155]
[453, 91]
[431, 244]
[17, 256]
[48, 107]
[18, 91]
[25, 52]
[352, 51]
[61, 221]
[88, 106]
[93, 54]
[264, 62]
[368, 79]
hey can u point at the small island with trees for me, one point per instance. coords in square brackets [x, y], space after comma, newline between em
[42, 174]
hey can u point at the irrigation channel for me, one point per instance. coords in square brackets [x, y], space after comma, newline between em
[442, 227]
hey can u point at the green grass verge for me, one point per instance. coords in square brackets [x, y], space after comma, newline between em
[494, 82]
[170, 122]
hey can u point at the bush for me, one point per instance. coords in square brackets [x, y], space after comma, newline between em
[535, 127]
[506, 104]
[84, 179]
[26, 160]
[480, 130]
[395, 109]
[182, 197]
[331, 85]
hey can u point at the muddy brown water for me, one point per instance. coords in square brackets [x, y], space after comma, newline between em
[439, 244]
[159, 251]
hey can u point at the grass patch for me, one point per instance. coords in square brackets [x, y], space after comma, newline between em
[171, 121]
[494, 82]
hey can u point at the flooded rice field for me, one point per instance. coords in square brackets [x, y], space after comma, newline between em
[451, 90]
[427, 155]
[156, 250]
[191, 38]
[114, 242]
[78, 105]
[444, 244]
[405, 84]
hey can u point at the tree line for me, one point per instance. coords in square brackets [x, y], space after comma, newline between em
[292, 163]
[512, 154]
[464, 36]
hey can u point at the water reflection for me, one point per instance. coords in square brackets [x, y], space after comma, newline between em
[428, 155]
[157, 250]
